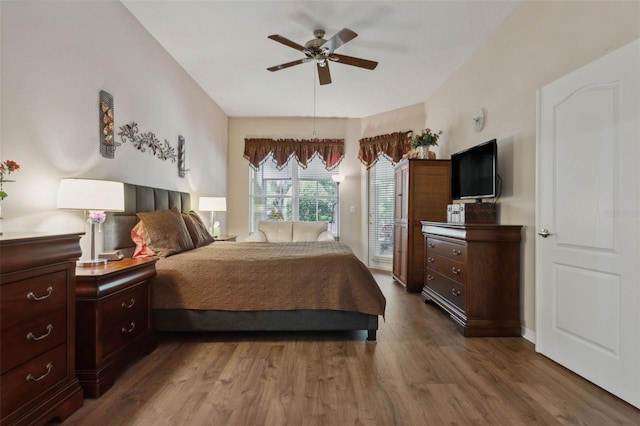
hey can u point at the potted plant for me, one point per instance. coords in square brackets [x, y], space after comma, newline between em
[422, 142]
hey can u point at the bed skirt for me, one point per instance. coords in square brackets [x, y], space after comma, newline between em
[294, 320]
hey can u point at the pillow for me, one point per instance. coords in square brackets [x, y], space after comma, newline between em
[167, 231]
[257, 237]
[197, 229]
[308, 231]
[141, 239]
[326, 236]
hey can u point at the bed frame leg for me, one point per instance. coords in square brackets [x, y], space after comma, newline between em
[371, 335]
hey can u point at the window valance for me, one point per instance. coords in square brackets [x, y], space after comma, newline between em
[394, 145]
[331, 151]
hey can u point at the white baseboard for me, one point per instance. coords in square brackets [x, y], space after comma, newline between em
[528, 334]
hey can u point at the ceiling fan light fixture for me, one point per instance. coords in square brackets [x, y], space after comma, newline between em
[320, 51]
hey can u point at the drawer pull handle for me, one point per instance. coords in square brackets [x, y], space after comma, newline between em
[130, 305]
[133, 326]
[32, 296]
[429, 277]
[31, 336]
[455, 292]
[456, 252]
[31, 378]
[430, 259]
[432, 245]
[455, 270]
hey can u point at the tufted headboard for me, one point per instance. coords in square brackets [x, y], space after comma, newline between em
[118, 226]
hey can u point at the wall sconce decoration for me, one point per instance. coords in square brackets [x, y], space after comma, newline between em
[105, 123]
[142, 141]
[182, 170]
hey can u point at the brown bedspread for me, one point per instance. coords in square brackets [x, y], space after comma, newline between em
[248, 276]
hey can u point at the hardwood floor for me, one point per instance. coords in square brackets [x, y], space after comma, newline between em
[419, 372]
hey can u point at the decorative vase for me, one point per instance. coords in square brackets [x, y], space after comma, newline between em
[423, 152]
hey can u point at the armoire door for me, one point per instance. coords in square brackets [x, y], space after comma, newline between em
[588, 222]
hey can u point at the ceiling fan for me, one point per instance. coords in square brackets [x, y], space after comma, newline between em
[322, 51]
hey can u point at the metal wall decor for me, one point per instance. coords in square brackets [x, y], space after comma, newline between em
[144, 141]
[182, 170]
[107, 143]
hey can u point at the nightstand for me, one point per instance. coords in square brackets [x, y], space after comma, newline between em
[225, 238]
[113, 320]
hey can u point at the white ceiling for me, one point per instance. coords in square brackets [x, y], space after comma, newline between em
[223, 45]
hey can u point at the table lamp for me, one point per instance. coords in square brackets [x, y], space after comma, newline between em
[96, 197]
[212, 205]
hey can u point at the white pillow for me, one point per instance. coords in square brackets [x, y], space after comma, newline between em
[308, 231]
[277, 232]
[326, 236]
[257, 237]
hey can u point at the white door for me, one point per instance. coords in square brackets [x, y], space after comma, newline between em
[588, 201]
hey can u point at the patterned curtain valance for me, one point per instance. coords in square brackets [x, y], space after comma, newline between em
[331, 151]
[394, 145]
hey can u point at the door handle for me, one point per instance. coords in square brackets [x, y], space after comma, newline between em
[544, 233]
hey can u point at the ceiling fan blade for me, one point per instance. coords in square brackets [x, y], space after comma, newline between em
[288, 64]
[343, 36]
[286, 42]
[323, 73]
[356, 62]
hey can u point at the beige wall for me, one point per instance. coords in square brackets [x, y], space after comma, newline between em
[56, 57]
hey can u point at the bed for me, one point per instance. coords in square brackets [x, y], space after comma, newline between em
[248, 286]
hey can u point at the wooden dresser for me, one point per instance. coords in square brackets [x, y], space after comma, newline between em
[422, 192]
[473, 272]
[113, 320]
[37, 333]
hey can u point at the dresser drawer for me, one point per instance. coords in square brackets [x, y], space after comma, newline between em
[33, 337]
[125, 305]
[32, 297]
[27, 381]
[451, 290]
[448, 267]
[123, 333]
[446, 249]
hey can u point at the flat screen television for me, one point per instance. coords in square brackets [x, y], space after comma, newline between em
[474, 172]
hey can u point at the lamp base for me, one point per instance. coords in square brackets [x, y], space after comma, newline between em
[90, 263]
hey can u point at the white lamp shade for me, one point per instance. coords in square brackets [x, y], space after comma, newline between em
[91, 194]
[212, 204]
[337, 178]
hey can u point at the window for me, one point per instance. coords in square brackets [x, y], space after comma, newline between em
[292, 193]
[381, 203]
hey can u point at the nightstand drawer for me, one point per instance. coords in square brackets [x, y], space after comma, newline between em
[448, 267]
[446, 249]
[30, 338]
[451, 290]
[22, 384]
[32, 297]
[125, 305]
[123, 333]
